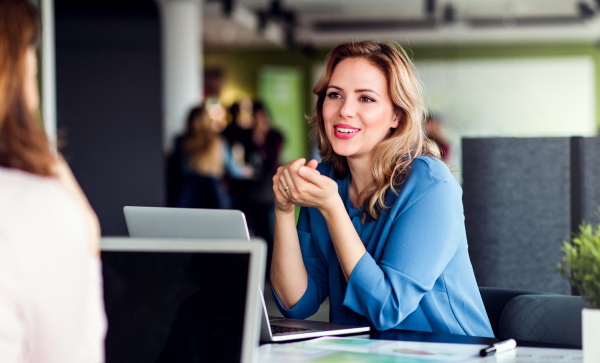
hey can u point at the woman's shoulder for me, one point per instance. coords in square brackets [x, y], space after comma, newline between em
[15, 182]
[37, 204]
[427, 174]
[427, 168]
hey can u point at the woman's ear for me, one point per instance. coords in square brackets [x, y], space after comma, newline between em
[396, 120]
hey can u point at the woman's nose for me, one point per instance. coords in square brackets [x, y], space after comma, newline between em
[348, 109]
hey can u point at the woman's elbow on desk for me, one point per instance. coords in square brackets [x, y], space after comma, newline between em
[299, 310]
[381, 295]
[384, 315]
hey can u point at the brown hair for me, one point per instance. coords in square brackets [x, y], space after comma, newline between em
[203, 144]
[392, 157]
[23, 143]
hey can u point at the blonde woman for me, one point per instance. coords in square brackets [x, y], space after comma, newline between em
[200, 160]
[381, 229]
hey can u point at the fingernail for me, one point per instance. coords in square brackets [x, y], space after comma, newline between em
[302, 170]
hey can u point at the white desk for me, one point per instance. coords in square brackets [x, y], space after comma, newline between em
[360, 349]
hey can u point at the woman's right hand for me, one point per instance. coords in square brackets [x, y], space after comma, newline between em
[282, 203]
[282, 200]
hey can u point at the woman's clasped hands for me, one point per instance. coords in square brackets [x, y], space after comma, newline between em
[303, 185]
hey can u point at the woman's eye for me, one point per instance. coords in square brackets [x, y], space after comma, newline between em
[334, 95]
[366, 99]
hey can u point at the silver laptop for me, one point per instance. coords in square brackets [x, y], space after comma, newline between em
[182, 300]
[185, 222]
[281, 329]
[172, 222]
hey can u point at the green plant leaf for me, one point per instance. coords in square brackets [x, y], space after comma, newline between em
[581, 262]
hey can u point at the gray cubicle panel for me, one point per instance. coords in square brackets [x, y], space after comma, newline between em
[590, 179]
[110, 117]
[517, 210]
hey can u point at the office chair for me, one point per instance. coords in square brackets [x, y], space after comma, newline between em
[494, 300]
[552, 319]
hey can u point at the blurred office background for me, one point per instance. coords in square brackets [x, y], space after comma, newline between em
[510, 82]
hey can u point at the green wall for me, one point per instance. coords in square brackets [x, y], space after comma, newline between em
[241, 71]
[241, 68]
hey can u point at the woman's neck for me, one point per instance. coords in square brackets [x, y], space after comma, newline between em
[360, 179]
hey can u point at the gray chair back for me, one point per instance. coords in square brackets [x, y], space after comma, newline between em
[495, 299]
[551, 319]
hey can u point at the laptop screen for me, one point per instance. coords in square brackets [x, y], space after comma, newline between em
[174, 306]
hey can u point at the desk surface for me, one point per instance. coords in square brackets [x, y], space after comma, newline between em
[402, 346]
[417, 336]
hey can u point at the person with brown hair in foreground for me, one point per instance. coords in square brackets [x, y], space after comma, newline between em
[51, 305]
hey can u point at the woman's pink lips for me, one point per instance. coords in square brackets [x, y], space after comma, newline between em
[343, 136]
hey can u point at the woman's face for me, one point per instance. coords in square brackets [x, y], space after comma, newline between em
[30, 87]
[358, 111]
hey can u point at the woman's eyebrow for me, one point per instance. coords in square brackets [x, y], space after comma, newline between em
[366, 90]
[336, 87]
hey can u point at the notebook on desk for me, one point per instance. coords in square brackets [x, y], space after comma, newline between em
[178, 300]
[219, 223]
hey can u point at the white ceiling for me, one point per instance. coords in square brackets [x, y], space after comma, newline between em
[327, 22]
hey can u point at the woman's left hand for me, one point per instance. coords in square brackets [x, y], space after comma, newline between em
[307, 187]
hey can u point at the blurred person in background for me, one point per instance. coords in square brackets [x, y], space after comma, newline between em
[263, 155]
[238, 132]
[51, 305]
[199, 162]
[433, 133]
[261, 147]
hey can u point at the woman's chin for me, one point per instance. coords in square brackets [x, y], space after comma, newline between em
[344, 151]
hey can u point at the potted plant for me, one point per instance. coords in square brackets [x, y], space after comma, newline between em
[581, 266]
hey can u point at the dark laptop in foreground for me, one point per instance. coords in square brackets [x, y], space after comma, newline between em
[221, 223]
[177, 300]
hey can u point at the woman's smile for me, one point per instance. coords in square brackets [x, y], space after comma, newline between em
[345, 132]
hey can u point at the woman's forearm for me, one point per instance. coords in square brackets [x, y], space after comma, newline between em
[346, 241]
[288, 273]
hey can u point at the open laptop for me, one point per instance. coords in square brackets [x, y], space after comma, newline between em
[182, 300]
[281, 329]
[185, 222]
[165, 222]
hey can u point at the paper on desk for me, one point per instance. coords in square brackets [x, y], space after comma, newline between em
[277, 353]
[393, 351]
[334, 350]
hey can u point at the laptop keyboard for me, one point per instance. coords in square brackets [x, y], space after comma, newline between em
[277, 329]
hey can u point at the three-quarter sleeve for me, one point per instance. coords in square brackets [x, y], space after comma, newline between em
[316, 269]
[420, 244]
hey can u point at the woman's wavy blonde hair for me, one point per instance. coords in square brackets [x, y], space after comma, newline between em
[393, 156]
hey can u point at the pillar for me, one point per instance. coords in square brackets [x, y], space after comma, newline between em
[181, 33]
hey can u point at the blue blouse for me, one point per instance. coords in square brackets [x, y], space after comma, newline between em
[416, 274]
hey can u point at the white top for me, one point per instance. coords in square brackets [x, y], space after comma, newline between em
[51, 302]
